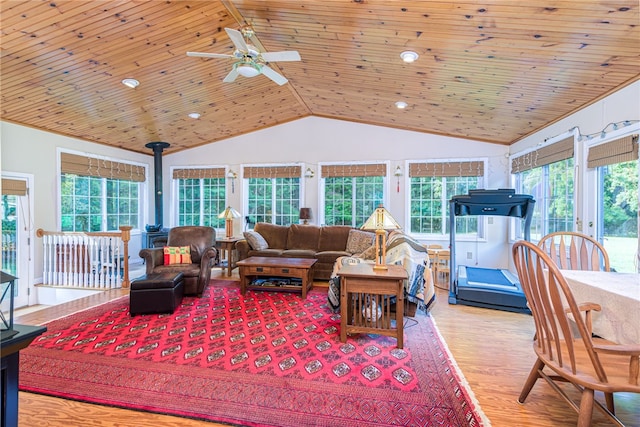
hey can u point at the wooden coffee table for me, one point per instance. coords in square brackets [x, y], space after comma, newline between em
[254, 267]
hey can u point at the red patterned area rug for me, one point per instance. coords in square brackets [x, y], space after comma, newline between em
[265, 359]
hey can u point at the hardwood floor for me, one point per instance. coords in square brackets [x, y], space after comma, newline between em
[492, 349]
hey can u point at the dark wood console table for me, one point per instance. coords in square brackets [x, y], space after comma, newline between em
[10, 361]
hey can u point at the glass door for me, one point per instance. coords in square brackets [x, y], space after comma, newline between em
[16, 229]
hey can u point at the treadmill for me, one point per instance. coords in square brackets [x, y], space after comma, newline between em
[480, 287]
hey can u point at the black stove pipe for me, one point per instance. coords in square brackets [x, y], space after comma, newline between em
[157, 148]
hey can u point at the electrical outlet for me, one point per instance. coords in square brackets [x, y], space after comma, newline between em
[469, 255]
[490, 220]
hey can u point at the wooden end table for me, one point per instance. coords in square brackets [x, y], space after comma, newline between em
[253, 267]
[365, 300]
[227, 248]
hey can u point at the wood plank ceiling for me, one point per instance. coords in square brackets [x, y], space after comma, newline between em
[489, 70]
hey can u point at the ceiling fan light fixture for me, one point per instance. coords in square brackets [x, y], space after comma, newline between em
[248, 70]
[401, 105]
[132, 83]
[409, 56]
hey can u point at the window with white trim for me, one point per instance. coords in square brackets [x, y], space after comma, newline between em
[200, 196]
[617, 169]
[432, 185]
[98, 194]
[548, 175]
[352, 192]
[273, 194]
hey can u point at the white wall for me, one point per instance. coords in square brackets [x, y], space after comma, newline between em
[314, 140]
[30, 151]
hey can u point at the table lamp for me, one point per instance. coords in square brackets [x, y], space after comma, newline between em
[380, 221]
[305, 215]
[229, 214]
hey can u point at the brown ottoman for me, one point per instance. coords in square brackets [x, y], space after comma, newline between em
[156, 293]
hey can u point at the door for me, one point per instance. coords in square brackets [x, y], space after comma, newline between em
[17, 234]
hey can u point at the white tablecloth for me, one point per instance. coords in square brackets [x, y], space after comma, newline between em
[619, 296]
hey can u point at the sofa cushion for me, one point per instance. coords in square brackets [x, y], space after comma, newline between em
[275, 235]
[303, 237]
[299, 253]
[333, 237]
[359, 241]
[256, 241]
[266, 252]
[330, 256]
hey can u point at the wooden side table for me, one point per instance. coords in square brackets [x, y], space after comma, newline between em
[365, 300]
[227, 247]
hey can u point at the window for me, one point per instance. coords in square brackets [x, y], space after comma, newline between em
[548, 175]
[431, 187]
[352, 192]
[273, 194]
[98, 195]
[201, 196]
[616, 164]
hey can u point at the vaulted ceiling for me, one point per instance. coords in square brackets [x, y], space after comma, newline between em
[488, 70]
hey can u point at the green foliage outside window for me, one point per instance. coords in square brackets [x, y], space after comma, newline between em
[621, 199]
[200, 201]
[351, 200]
[429, 208]
[92, 204]
[274, 200]
[552, 188]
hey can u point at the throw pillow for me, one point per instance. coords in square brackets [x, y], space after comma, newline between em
[369, 253]
[359, 241]
[177, 255]
[256, 241]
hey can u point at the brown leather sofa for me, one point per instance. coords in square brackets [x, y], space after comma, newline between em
[323, 243]
[202, 242]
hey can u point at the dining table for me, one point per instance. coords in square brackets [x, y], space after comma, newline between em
[618, 295]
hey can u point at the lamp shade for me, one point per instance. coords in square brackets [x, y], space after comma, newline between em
[305, 213]
[248, 70]
[380, 219]
[229, 213]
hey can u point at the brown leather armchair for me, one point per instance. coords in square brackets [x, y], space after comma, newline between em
[202, 241]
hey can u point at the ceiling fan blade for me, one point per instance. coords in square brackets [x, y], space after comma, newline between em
[237, 39]
[231, 77]
[290, 55]
[209, 55]
[274, 75]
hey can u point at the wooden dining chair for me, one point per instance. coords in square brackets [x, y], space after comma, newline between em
[575, 251]
[432, 254]
[442, 269]
[563, 344]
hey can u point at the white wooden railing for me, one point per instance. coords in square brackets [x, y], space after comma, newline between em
[86, 260]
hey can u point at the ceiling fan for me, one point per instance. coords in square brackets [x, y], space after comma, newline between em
[250, 62]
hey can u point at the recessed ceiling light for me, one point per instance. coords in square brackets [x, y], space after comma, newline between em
[132, 83]
[409, 56]
[401, 104]
[194, 115]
